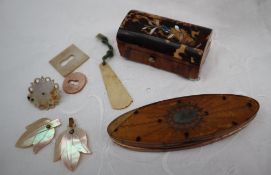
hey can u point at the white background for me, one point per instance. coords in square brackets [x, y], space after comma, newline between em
[34, 31]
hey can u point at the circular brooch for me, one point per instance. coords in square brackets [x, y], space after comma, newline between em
[44, 93]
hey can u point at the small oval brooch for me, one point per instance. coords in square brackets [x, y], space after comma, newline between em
[184, 122]
[74, 83]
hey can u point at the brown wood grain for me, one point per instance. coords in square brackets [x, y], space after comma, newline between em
[184, 122]
[164, 43]
[142, 55]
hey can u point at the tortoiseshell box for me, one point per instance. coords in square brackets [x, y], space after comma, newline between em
[164, 43]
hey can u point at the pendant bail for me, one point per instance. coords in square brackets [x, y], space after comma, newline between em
[71, 123]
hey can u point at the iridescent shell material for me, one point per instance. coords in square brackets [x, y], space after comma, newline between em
[44, 93]
[39, 134]
[69, 145]
[184, 122]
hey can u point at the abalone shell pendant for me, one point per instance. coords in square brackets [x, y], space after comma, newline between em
[184, 122]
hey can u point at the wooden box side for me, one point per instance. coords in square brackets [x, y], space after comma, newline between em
[158, 60]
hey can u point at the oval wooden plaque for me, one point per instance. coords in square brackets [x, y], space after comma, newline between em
[184, 122]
